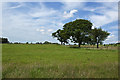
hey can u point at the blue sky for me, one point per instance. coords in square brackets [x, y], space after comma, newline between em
[36, 21]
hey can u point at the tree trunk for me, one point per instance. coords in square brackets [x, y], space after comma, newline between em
[79, 45]
[61, 43]
[97, 45]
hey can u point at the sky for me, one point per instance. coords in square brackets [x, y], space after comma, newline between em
[36, 21]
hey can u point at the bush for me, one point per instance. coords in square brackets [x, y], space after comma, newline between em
[38, 42]
[16, 43]
[46, 42]
[27, 42]
[55, 43]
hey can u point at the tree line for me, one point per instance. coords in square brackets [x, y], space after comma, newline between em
[4, 40]
[80, 31]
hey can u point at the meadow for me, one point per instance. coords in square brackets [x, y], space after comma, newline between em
[57, 61]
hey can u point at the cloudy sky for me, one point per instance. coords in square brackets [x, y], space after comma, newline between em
[36, 21]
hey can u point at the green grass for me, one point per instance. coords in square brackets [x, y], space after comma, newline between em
[56, 61]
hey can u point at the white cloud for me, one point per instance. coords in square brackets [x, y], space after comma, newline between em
[42, 27]
[41, 30]
[93, 9]
[50, 30]
[60, 0]
[43, 13]
[111, 39]
[108, 15]
[7, 6]
[37, 30]
[113, 27]
[22, 26]
[73, 11]
[89, 0]
[17, 6]
[100, 20]
[60, 24]
[69, 5]
[70, 14]
[39, 21]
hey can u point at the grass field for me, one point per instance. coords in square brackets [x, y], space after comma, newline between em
[56, 61]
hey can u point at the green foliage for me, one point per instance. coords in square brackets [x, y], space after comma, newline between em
[61, 36]
[98, 35]
[78, 30]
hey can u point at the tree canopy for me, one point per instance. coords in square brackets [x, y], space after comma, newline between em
[98, 35]
[80, 31]
[61, 36]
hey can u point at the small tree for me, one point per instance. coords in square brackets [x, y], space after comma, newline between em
[61, 36]
[98, 35]
[27, 42]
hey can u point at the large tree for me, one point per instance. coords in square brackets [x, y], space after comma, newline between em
[98, 35]
[78, 30]
[61, 36]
